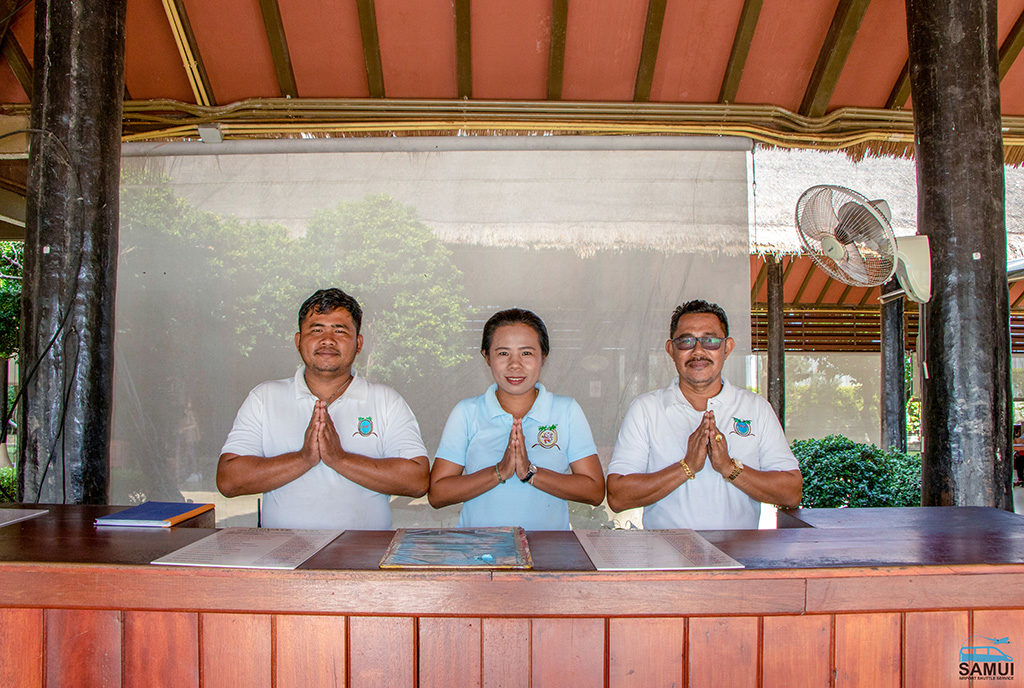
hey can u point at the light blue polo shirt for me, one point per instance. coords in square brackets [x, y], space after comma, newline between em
[475, 436]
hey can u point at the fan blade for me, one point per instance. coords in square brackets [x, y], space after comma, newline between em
[820, 217]
[856, 223]
[856, 265]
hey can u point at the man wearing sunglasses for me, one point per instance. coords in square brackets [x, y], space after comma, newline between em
[701, 453]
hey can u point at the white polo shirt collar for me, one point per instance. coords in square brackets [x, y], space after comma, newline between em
[357, 389]
[539, 412]
[673, 396]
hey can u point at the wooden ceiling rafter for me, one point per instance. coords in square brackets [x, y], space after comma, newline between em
[832, 57]
[1011, 47]
[1017, 301]
[18, 62]
[649, 50]
[824, 290]
[811, 269]
[556, 50]
[745, 29]
[11, 51]
[867, 295]
[762, 275]
[900, 93]
[371, 47]
[188, 48]
[278, 41]
[463, 49]
[789, 266]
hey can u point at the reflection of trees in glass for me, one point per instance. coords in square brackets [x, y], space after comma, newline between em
[204, 291]
[12, 258]
[827, 398]
[411, 292]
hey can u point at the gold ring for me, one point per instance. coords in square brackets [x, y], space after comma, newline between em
[718, 437]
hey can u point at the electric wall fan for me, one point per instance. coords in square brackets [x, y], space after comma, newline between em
[851, 239]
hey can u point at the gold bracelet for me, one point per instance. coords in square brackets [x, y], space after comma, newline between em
[501, 481]
[737, 468]
[686, 469]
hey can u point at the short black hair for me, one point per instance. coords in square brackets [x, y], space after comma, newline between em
[327, 300]
[698, 306]
[511, 317]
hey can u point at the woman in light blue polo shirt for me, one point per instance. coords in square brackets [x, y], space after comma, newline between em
[517, 452]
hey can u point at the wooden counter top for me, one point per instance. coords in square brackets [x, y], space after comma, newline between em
[842, 606]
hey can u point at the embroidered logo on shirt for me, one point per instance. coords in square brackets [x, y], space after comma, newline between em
[547, 437]
[741, 428]
[365, 427]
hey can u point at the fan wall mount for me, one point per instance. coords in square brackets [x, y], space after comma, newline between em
[851, 240]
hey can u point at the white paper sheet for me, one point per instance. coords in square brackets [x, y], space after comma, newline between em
[252, 548]
[9, 516]
[652, 550]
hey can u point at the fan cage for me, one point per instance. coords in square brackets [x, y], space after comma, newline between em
[828, 214]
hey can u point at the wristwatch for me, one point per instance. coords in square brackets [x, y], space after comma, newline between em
[737, 468]
[530, 472]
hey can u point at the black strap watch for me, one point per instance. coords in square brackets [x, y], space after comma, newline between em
[530, 472]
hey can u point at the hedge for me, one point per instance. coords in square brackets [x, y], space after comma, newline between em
[840, 472]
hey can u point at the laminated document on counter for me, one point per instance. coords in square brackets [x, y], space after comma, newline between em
[652, 550]
[252, 548]
[9, 516]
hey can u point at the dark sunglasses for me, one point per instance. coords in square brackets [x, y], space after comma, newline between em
[686, 342]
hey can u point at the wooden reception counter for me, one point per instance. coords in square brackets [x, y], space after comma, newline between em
[880, 604]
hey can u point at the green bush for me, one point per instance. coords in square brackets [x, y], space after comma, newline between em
[840, 472]
[8, 485]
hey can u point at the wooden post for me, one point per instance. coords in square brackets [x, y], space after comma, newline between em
[776, 339]
[894, 392]
[954, 82]
[71, 251]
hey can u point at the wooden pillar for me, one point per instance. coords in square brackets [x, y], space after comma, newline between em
[966, 390]
[71, 251]
[776, 339]
[894, 391]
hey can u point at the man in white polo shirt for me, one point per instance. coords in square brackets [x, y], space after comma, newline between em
[325, 447]
[701, 453]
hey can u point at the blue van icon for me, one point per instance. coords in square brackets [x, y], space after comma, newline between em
[982, 653]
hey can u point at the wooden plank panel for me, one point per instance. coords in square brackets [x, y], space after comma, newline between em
[235, 650]
[161, 648]
[959, 590]
[722, 652]
[568, 652]
[449, 652]
[867, 650]
[999, 624]
[795, 651]
[347, 591]
[382, 651]
[309, 651]
[646, 652]
[506, 653]
[83, 648]
[931, 644]
[21, 647]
